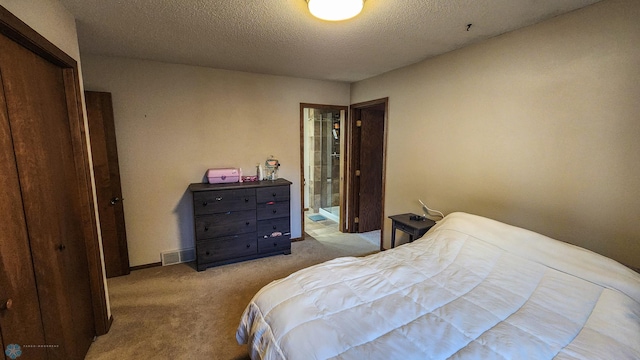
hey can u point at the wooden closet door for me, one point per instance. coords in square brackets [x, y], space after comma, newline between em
[20, 320]
[36, 106]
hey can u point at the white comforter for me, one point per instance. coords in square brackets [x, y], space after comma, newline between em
[471, 288]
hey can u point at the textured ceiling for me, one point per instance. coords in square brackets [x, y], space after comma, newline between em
[280, 37]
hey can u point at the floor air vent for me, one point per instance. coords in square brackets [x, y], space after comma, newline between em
[177, 256]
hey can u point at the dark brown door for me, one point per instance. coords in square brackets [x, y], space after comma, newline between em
[365, 166]
[371, 158]
[104, 151]
[36, 108]
[20, 318]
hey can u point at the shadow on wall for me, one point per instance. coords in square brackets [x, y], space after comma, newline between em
[184, 215]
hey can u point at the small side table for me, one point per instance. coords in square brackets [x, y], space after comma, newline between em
[414, 228]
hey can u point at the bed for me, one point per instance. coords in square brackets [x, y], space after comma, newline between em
[470, 288]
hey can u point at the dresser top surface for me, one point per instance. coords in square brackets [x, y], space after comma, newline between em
[239, 185]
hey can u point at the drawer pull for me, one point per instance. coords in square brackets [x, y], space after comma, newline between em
[274, 194]
[246, 200]
[275, 211]
[248, 246]
[247, 223]
[228, 213]
[219, 198]
[275, 244]
[207, 253]
[7, 305]
[205, 203]
[274, 227]
[206, 228]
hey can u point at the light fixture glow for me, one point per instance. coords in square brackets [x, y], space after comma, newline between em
[335, 10]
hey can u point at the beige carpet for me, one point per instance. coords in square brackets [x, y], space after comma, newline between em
[174, 312]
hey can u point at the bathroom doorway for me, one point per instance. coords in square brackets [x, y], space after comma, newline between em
[322, 164]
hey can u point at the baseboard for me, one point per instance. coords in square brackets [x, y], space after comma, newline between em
[145, 266]
[297, 239]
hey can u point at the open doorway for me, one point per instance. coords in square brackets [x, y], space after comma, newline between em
[322, 164]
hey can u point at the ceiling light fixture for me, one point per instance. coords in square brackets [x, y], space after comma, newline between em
[335, 10]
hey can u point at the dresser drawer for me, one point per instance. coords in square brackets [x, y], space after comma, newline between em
[267, 227]
[273, 210]
[226, 247]
[274, 193]
[274, 244]
[229, 223]
[209, 202]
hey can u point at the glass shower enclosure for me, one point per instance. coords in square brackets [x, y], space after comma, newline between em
[323, 143]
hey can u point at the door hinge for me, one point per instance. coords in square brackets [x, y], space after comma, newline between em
[356, 220]
[358, 123]
[357, 172]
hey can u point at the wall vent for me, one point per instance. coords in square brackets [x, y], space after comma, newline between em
[177, 256]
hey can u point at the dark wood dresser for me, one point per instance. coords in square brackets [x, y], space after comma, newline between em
[240, 221]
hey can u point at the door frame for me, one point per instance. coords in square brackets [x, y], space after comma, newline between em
[342, 162]
[16, 30]
[350, 176]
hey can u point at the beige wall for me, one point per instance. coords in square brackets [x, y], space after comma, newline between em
[539, 128]
[173, 122]
[52, 20]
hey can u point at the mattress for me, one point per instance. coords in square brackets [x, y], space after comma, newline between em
[471, 288]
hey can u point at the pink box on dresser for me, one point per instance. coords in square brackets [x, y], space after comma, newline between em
[223, 175]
